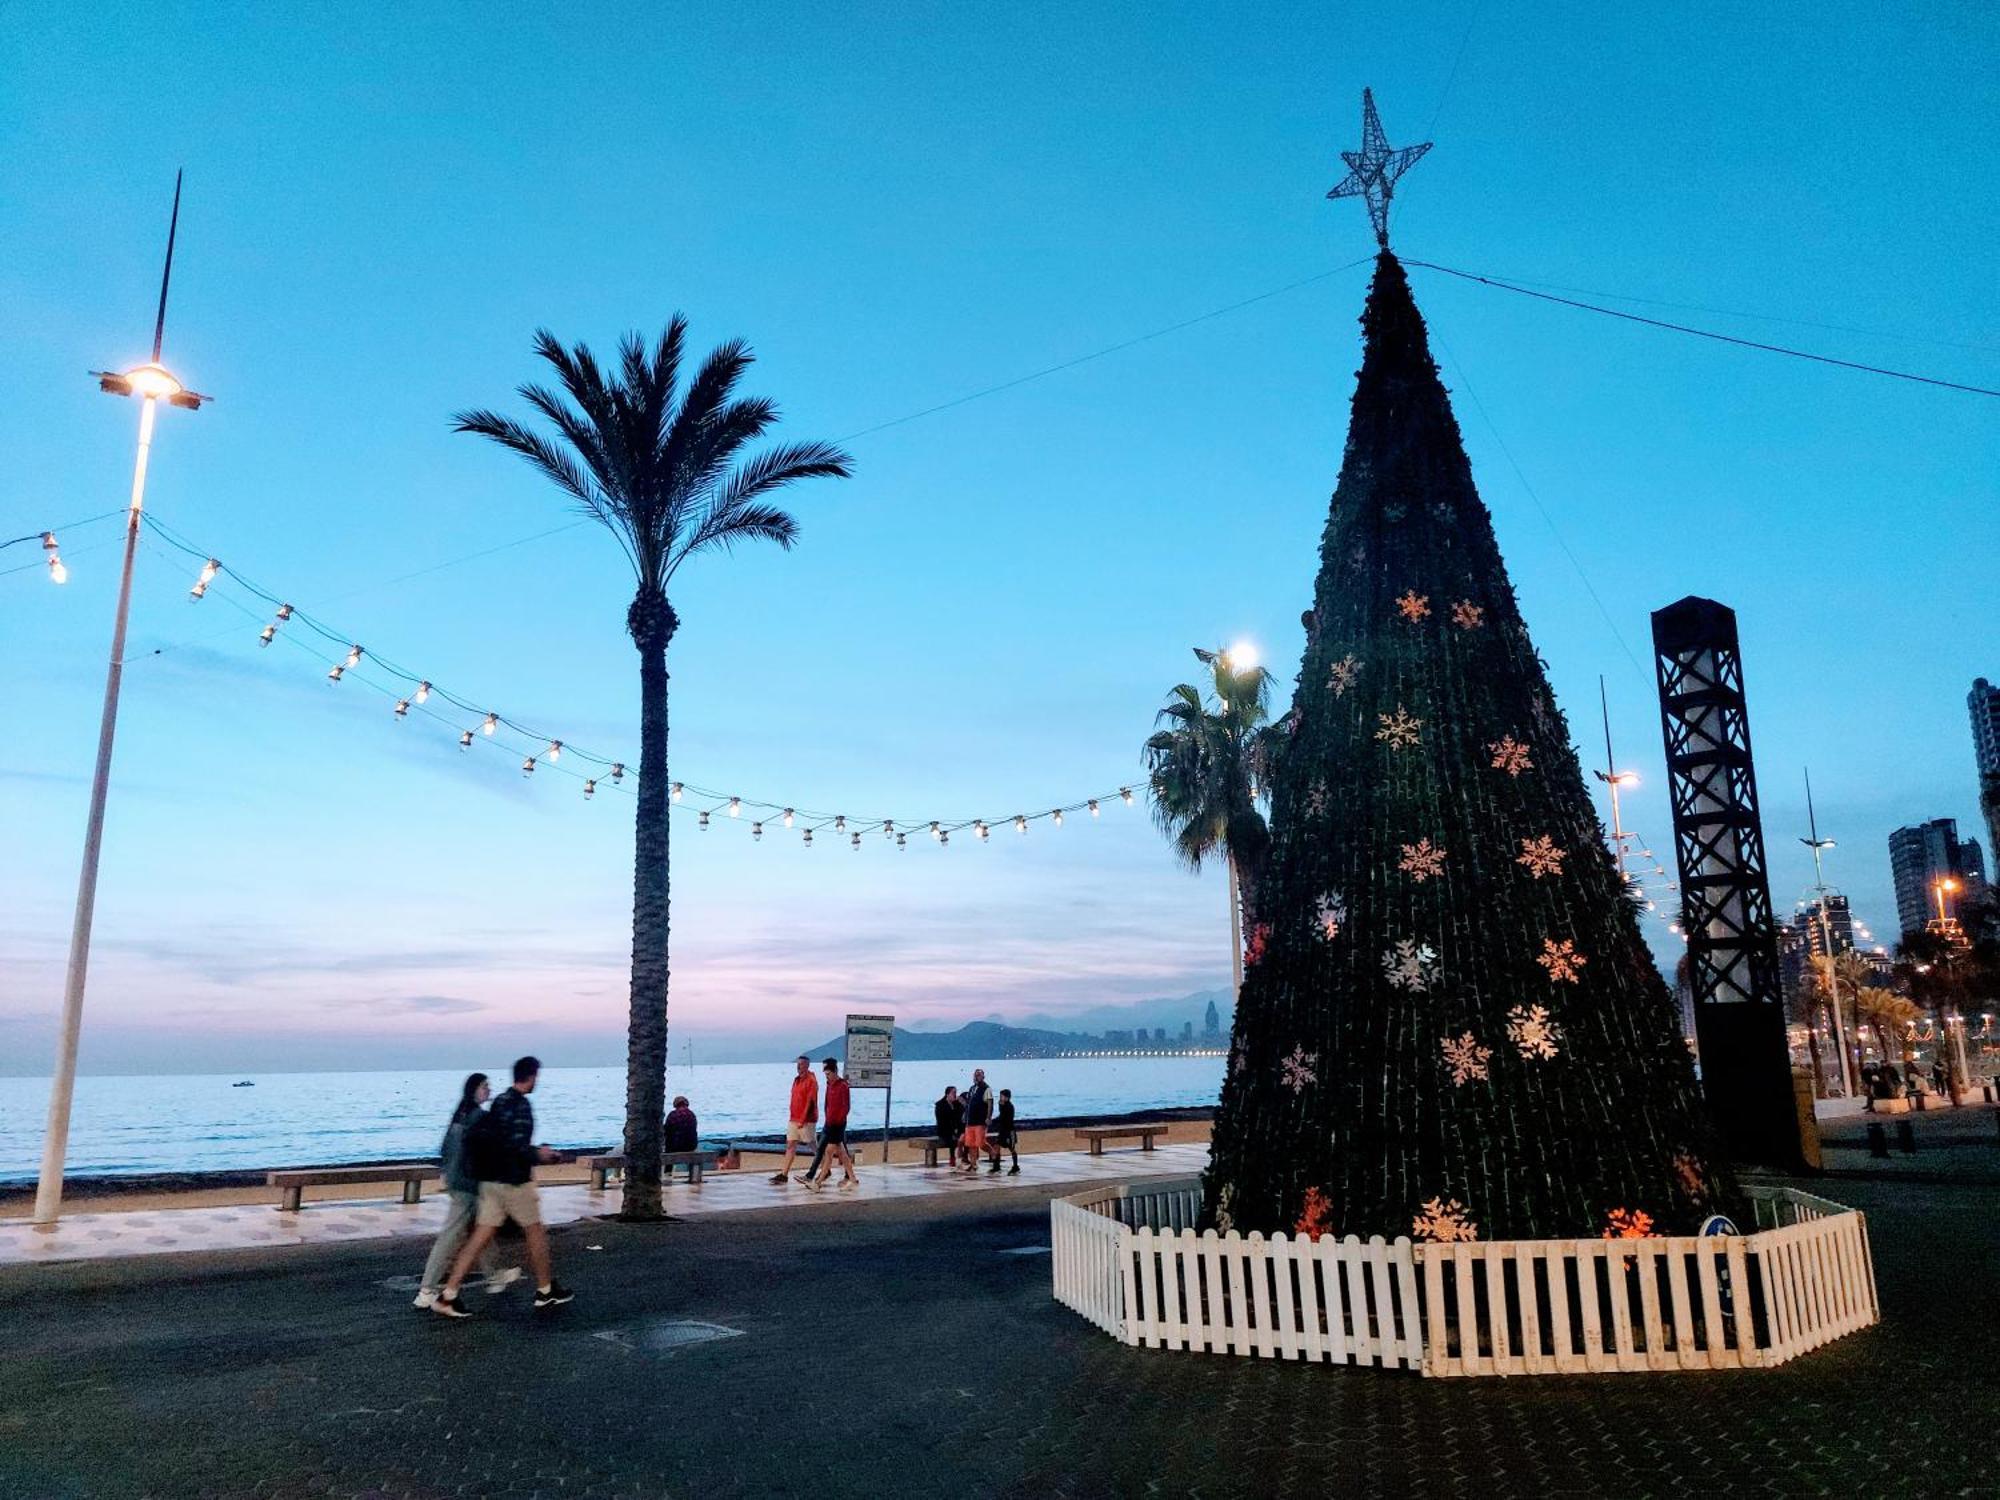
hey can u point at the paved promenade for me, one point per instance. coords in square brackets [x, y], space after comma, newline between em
[908, 1346]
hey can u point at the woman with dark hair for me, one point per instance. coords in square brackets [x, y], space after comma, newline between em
[463, 1189]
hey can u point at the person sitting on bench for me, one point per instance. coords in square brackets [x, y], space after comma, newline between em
[681, 1132]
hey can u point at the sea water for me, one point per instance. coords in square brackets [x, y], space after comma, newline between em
[204, 1123]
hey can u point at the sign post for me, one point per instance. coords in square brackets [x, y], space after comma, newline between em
[871, 1043]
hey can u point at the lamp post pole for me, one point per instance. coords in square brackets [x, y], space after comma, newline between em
[1817, 844]
[151, 383]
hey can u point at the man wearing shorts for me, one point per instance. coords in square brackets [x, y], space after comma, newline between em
[978, 1109]
[805, 1112]
[503, 1157]
[833, 1137]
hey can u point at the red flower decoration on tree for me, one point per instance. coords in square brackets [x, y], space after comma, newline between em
[1253, 950]
[1629, 1224]
[1316, 1218]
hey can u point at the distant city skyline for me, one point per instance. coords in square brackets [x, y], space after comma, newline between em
[898, 215]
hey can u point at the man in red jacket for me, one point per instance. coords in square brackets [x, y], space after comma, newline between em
[833, 1138]
[799, 1125]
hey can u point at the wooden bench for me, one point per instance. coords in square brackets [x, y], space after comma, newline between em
[291, 1184]
[930, 1146]
[604, 1164]
[1097, 1135]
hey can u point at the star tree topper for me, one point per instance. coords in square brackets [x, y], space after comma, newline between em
[1372, 171]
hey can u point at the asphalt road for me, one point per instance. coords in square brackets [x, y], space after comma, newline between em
[898, 1350]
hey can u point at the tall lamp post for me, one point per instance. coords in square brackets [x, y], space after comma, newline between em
[1239, 658]
[1818, 845]
[152, 384]
[1614, 779]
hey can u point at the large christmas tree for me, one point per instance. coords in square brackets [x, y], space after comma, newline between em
[1450, 1024]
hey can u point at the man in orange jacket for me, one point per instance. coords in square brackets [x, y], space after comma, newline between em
[804, 1116]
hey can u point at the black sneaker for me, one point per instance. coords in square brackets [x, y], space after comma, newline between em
[1014, 1171]
[450, 1307]
[555, 1296]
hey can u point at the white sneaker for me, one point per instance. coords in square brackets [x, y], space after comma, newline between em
[849, 1184]
[425, 1297]
[814, 1183]
[499, 1281]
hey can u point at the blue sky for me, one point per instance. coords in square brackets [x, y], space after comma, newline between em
[899, 207]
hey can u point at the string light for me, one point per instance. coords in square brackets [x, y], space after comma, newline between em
[465, 740]
[555, 750]
[788, 817]
[423, 692]
[1020, 824]
[284, 613]
[889, 828]
[528, 766]
[809, 838]
[208, 571]
[735, 807]
[618, 770]
[1056, 813]
[756, 830]
[934, 828]
[353, 656]
[839, 824]
[57, 572]
[900, 841]
[1126, 793]
[402, 708]
[945, 837]
[704, 822]
[492, 723]
[1093, 807]
[856, 840]
[336, 672]
[980, 829]
[264, 635]
[589, 788]
[675, 792]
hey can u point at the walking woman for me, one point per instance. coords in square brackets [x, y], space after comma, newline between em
[463, 1189]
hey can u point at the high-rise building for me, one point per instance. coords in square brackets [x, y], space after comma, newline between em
[1837, 929]
[1922, 855]
[1984, 703]
[1211, 1023]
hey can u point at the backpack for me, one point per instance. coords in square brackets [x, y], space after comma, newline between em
[485, 1149]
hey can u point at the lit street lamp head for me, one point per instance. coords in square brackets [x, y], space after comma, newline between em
[150, 382]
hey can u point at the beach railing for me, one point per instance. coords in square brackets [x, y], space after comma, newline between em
[1131, 1261]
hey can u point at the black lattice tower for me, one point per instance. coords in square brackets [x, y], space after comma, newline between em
[1725, 891]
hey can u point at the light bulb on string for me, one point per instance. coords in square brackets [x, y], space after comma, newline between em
[554, 752]
[934, 828]
[1020, 824]
[264, 635]
[353, 656]
[423, 692]
[402, 708]
[840, 823]
[284, 613]
[1126, 793]
[57, 572]
[528, 766]
[674, 792]
[945, 837]
[589, 788]
[756, 830]
[618, 770]
[856, 840]
[465, 740]
[208, 571]
[1093, 807]
[735, 807]
[703, 825]
[335, 672]
[492, 723]
[788, 817]
[1056, 813]
[889, 828]
[809, 838]
[980, 829]
[900, 841]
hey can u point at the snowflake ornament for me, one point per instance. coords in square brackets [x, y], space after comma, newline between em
[1561, 960]
[1532, 1032]
[1315, 1217]
[1398, 729]
[1467, 616]
[1410, 965]
[1510, 755]
[1687, 1172]
[1466, 1058]
[1330, 912]
[1394, 513]
[1413, 606]
[1340, 677]
[1260, 937]
[1295, 1071]
[1442, 514]
[1316, 798]
[1224, 1218]
[1442, 1221]
[1541, 856]
[1421, 861]
[1629, 1224]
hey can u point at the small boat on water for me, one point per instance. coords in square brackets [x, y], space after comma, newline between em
[248, 1083]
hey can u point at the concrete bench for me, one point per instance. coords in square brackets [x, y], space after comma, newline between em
[604, 1164]
[1097, 1135]
[930, 1147]
[292, 1184]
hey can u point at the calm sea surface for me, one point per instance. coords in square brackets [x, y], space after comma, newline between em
[197, 1124]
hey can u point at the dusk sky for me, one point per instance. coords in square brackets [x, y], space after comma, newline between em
[899, 208]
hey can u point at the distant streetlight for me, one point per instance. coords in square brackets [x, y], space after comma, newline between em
[1818, 845]
[1938, 889]
[151, 383]
[1614, 779]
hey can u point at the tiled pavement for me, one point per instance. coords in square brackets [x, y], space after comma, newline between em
[104, 1235]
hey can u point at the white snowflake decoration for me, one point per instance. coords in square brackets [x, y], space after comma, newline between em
[1541, 856]
[1421, 861]
[1399, 729]
[1331, 914]
[1532, 1032]
[1413, 606]
[1410, 965]
[1316, 798]
[1561, 960]
[1510, 755]
[1224, 1217]
[1295, 1072]
[1442, 1221]
[1340, 677]
[1466, 1058]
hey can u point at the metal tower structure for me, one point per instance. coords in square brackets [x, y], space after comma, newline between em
[1725, 893]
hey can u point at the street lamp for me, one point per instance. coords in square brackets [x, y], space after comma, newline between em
[151, 383]
[1614, 779]
[1819, 845]
[1938, 889]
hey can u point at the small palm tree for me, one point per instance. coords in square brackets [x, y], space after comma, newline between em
[1207, 769]
[667, 473]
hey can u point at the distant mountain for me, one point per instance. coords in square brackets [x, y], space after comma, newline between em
[979, 1040]
[1169, 1012]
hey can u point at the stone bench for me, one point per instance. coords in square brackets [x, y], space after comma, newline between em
[602, 1165]
[1097, 1135]
[930, 1146]
[291, 1184]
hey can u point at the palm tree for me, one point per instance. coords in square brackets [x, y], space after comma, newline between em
[1207, 768]
[667, 473]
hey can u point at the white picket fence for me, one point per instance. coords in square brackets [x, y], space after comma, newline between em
[1130, 1260]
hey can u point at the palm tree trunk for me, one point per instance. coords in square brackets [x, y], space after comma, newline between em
[1235, 930]
[1812, 1049]
[652, 625]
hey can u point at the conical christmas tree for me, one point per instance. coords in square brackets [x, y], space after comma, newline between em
[1450, 1025]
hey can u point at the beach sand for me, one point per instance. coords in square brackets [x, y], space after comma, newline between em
[81, 1197]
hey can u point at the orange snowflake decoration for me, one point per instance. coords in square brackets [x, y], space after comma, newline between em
[1510, 755]
[1316, 1218]
[1414, 606]
[1561, 960]
[1687, 1171]
[1254, 949]
[1467, 616]
[1629, 1224]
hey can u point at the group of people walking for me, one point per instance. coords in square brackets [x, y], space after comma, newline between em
[976, 1123]
[826, 1140]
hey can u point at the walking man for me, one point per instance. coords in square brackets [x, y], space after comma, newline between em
[503, 1155]
[833, 1135]
[1002, 1136]
[805, 1113]
[978, 1109]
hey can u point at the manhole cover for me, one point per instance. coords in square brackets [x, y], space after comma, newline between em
[665, 1335]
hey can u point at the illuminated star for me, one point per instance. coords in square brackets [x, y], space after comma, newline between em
[1372, 171]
